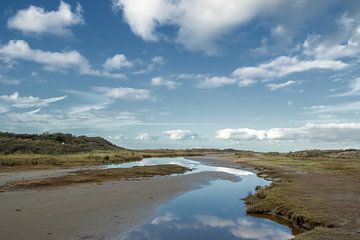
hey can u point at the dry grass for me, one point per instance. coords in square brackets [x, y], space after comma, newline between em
[14, 162]
[95, 176]
[319, 191]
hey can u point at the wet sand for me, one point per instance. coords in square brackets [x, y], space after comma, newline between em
[89, 211]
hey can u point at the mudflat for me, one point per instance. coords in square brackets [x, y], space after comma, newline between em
[104, 210]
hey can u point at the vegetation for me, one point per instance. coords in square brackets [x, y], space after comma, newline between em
[316, 190]
[21, 161]
[56, 143]
[19, 151]
[96, 176]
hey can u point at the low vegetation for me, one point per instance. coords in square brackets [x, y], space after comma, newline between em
[34, 151]
[56, 143]
[96, 176]
[317, 190]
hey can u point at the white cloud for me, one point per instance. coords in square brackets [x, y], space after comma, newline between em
[283, 66]
[354, 89]
[145, 137]
[160, 81]
[26, 102]
[167, 217]
[117, 62]
[215, 222]
[350, 107]
[125, 93]
[214, 82]
[158, 60]
[246, 82]
[316, 132]
[149, 66]
[20, 49]
[277, 86]
[241, 228]
[85, 109]
[39, 21]
[240, 134]
[342, 44]
[62, 120]
[180, 134]
[200, 23]
[143, 16]
[116, 138]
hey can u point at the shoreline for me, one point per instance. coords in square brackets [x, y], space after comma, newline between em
[106, 210]
[312, 218]
[229, 162]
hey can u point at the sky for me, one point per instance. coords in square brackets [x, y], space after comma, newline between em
[263, 75]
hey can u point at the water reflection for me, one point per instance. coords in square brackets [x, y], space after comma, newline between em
[212, 212]
[215, 211]
[194, 165]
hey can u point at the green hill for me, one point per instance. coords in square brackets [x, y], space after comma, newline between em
[51, 143]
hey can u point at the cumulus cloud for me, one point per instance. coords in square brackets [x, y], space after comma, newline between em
[215, 82]
[200, 23]
[125, 93]
[152, 65]
[317, 132]
[180, 134]
[29, 101]
[145, 137]
[37, 20]
[117, 62]
[20, 49]
[160, 81]
[240, 134]
[277, 86]
[283, 66]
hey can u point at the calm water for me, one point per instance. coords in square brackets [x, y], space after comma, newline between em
[215, 211]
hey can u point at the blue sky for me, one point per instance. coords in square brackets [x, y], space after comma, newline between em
[270, 75]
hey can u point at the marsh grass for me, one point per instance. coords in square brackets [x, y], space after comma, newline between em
[316, 190]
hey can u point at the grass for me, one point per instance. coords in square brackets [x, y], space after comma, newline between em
[21, 161]
[316, 190]
[95, 176]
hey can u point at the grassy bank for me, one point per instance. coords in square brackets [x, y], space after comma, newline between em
[317, 190]
[61, 150]
[22, 161]
[95, 176]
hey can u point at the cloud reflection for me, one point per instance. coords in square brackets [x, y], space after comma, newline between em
[244, 229]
